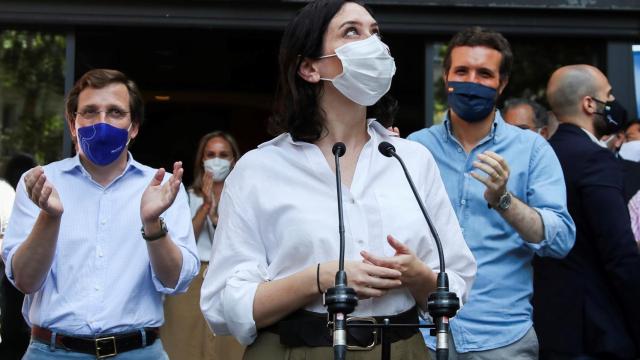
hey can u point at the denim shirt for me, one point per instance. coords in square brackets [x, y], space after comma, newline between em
[498, 311]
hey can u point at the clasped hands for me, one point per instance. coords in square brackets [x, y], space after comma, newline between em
[374, 276]
[208, 201]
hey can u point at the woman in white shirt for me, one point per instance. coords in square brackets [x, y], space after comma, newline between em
[186, 334]
[276, 244]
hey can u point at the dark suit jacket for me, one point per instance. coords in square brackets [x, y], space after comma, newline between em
[589, 302]
[631, 171]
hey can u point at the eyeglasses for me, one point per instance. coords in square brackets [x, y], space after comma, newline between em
[111, 114]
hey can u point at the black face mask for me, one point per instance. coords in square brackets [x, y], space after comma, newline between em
[613, 117]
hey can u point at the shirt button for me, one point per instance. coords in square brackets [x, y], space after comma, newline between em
[103, 222]
[462, 230]
[463, 201]
[459, 150]
[97, 288]
[353, 201]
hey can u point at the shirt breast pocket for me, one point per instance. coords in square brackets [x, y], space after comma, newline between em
[401, 218]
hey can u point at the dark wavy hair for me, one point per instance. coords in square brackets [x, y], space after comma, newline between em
[296, 109]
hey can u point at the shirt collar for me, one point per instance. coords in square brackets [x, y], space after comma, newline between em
[498, 128]
[74, 163]
[372, 127]
[594, 139]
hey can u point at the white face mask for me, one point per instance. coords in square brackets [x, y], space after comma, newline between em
[220, 168]
[630, 150]
[367, 70]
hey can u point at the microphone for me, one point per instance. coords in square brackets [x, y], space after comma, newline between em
[442, 304]
[339, 149]
[340, 300]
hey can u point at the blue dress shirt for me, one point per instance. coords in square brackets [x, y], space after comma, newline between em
[498, 311]
[101, 279]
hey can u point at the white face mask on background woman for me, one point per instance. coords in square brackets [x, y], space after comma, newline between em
[630, 150]
[220, 168]
[367, 70]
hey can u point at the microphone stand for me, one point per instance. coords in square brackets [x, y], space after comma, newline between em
[340, 300]
[441, 304]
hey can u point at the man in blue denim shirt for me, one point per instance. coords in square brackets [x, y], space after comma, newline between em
[507, 189]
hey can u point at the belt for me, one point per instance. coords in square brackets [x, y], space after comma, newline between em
[103, 346]
[306, 328]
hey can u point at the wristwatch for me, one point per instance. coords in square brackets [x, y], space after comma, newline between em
[504, 202]
[153, 237]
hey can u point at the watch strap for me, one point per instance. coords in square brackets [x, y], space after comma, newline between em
[163, 231]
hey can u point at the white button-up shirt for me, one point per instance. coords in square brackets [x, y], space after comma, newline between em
[6, 203]
[278, 215]
[101, 279]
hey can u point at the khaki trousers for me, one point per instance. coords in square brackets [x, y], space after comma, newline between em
[267, 347]
[186, 334]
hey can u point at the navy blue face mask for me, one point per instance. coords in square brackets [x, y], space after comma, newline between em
[102, 143]
[471, 101]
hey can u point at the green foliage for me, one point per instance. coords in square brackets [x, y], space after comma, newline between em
[32, 80]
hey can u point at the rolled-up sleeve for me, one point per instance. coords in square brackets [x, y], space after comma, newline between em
[23, 216]
[238, 265]
[178, 220]
[547, 194]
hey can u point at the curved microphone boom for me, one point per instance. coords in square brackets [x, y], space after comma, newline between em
[340, 300]
[338, 150]
[442, 304]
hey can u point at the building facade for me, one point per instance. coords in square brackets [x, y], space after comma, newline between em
[211, 64]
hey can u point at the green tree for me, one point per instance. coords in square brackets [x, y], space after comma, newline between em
[32, 74]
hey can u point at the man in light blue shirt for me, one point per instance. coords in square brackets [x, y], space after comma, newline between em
[507, 189]
[96, 240]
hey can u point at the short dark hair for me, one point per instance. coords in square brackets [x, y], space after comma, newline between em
[98, 79]
[631, 123]
[478, 36]
[541, 117]
[296, 108]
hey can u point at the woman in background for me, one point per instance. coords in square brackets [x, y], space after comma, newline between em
[185, 333]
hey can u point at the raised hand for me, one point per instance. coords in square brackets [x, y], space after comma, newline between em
[158, 197]
[411, 268]
[497, 170]
[42, 192]
[207, 185]
[367, 280]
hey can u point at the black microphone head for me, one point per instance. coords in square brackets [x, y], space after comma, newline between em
[339, 149]
[386, 149]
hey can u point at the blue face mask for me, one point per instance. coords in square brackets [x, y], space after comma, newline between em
[103, 143]
[471, 101]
